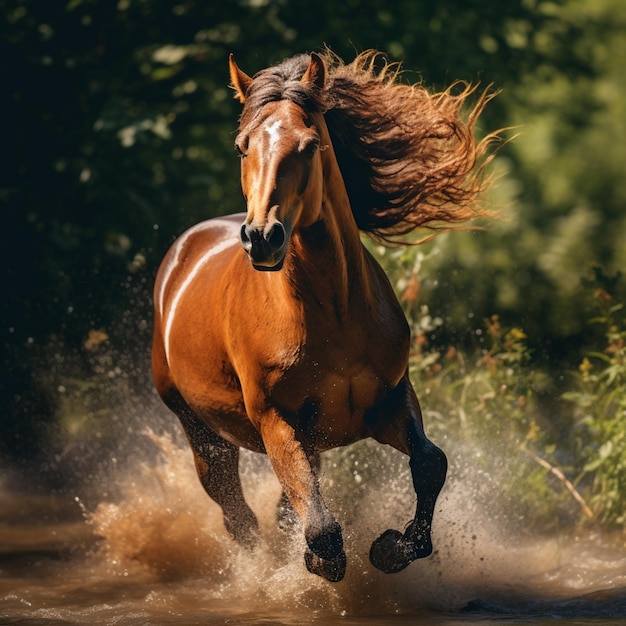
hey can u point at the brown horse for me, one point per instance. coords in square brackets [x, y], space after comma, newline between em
[276, 330]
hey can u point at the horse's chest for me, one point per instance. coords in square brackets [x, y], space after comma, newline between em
[321, 370]
[329, 392]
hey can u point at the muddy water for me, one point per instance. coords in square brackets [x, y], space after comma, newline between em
[156, 552]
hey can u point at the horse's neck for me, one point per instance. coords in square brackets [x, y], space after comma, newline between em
[331, 253]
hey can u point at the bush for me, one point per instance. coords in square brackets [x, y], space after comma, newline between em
[600, 400]
[486, 402]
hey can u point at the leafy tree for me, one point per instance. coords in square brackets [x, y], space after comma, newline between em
[560, 188]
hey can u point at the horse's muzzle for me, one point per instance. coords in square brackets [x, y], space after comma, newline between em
[265, 246]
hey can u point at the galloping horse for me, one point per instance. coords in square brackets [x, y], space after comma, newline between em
[276, 330]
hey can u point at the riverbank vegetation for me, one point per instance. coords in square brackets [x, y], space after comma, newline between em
[563, 430]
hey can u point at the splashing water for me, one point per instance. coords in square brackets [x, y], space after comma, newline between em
[158, 553]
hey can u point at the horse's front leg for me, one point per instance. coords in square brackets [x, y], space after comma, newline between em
[402, 428]
[294, 468]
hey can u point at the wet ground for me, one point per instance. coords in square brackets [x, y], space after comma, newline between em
[157, 553]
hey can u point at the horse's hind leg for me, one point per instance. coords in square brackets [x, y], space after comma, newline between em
[217, 465]
[394, 550]
[285, 514]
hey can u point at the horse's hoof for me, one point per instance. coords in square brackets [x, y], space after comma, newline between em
[392, 552]
[332, 570]
[326, 542]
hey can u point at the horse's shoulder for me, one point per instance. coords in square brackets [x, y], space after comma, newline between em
[191, 256]
[207, 234]
[198, 244]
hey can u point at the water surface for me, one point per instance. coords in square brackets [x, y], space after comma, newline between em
[152, 549]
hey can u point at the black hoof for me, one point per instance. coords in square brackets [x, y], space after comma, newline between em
[327, 542]
[392, 552]
[332, 570]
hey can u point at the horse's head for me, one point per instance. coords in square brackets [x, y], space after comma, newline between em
[281, 170]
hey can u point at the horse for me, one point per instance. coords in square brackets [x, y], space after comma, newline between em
[276, 330]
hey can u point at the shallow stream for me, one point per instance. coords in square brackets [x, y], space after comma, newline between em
[152, 549]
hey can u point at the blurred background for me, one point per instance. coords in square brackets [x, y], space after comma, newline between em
[117, 134]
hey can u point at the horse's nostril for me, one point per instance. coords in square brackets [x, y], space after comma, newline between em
[245, 237]
[276, 236]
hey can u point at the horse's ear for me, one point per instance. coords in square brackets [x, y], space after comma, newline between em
[316, 72]
[239, 80]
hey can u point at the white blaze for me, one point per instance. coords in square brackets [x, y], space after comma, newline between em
[273, 131]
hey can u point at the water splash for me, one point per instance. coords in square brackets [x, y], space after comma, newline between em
[165, 529]
[153, 549]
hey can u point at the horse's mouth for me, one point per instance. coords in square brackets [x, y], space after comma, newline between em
[269, 268]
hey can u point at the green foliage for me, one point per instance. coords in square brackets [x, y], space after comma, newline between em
[559, 193]
[600, 399]
[487, 402]
[495, 383]
[482, 400]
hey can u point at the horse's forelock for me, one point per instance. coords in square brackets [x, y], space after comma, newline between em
[282, 82]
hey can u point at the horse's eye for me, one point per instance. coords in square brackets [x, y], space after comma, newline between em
[310, 147]
[241, 145]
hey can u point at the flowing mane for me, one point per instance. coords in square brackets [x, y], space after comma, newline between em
[407, 156]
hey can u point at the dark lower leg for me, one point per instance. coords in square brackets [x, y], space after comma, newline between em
[393, 550]
[428, 469]
[221, 482]
[217, 465]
